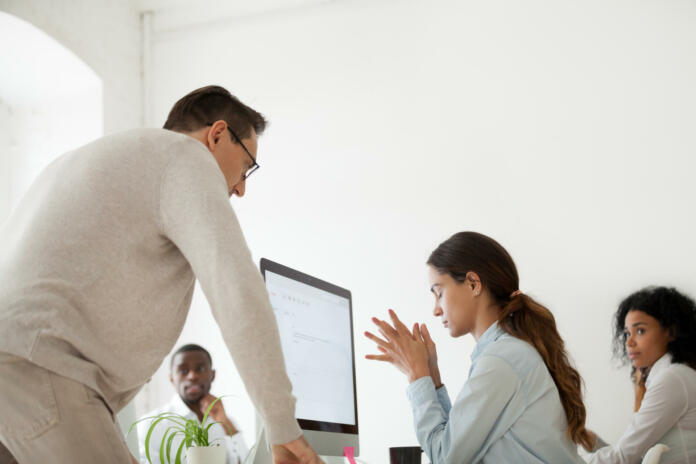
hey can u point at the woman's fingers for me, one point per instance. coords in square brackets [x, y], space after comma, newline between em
[376, 339]
[417, 333]
[379, 357]
[387, 330]
[398, 325]
[426, 335]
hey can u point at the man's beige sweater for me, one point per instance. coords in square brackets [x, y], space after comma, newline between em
[97, 266]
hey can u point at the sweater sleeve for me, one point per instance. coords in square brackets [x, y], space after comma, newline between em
[196, 215]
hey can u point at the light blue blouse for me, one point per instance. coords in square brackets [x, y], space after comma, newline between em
[509, 410]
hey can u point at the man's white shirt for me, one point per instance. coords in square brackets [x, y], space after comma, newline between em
[235, 447]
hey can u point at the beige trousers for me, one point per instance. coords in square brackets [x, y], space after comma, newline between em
[47, 418]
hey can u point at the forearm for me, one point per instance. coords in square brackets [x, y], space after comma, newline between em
[260, 363]
[240, 305]
[430, 419]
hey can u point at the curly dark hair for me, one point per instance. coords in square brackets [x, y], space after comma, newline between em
[673, 310]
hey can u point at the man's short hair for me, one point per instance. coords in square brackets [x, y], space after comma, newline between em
[187, 348]
[213, 103]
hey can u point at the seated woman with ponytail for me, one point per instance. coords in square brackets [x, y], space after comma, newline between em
[522, 401]
[655, 328]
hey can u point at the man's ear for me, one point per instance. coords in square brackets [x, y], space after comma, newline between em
[215, 133]
[213, 376]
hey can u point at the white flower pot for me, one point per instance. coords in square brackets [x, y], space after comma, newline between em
[205, 455]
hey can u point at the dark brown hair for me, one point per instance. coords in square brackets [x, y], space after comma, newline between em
[214, 103]
[520, 316]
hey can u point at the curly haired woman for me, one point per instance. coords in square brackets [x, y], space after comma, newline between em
[655, 328]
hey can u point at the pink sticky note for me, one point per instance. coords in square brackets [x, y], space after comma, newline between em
[349, 453]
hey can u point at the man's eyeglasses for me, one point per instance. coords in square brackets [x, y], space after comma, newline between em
[255, 165]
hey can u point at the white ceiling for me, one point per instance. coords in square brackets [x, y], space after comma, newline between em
[174, 14]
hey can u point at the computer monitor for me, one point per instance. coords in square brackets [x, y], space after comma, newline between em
[315, 321]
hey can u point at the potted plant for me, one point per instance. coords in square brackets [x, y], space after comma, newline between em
[194, 439]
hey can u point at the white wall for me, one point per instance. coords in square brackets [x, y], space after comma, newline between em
[40, 118]
[105, 34]
[562, 129]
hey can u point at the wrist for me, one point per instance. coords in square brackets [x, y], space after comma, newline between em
[230, 428]
[418, 373]
[435, 374]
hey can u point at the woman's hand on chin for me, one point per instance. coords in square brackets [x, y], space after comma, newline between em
[640, 375]
[407, 351]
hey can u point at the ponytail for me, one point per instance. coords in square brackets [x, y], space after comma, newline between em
[524, 318]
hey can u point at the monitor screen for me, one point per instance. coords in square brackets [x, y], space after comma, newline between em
[316, 333]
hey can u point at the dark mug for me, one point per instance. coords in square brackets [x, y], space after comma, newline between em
[405, 455]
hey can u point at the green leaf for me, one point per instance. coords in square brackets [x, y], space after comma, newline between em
[150, 417]
[178, 453]
[161, 453]
[207, 411]
[169, 445]
[192, 431]
[168, 442]
[207, 428]
[202, 437]
[159, 418]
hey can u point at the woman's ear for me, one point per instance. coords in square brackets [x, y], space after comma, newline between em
[474, 282]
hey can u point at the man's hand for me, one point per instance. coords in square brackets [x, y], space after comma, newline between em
[296, 452]
[217, 413]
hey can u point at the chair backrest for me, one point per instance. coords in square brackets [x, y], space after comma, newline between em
[654, 454]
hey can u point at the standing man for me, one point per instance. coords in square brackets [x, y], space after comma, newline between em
[124, 223]
[191, 374]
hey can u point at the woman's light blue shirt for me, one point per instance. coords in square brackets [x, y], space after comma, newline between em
[509, 410]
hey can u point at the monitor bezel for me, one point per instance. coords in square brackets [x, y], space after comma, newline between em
[285, 271]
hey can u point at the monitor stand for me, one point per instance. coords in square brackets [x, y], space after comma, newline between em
[261, 453]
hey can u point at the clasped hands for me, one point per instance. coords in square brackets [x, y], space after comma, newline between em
[413, 352]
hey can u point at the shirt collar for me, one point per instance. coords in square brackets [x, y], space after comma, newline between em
[659, 366]
[177, 406]
[489, 336]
